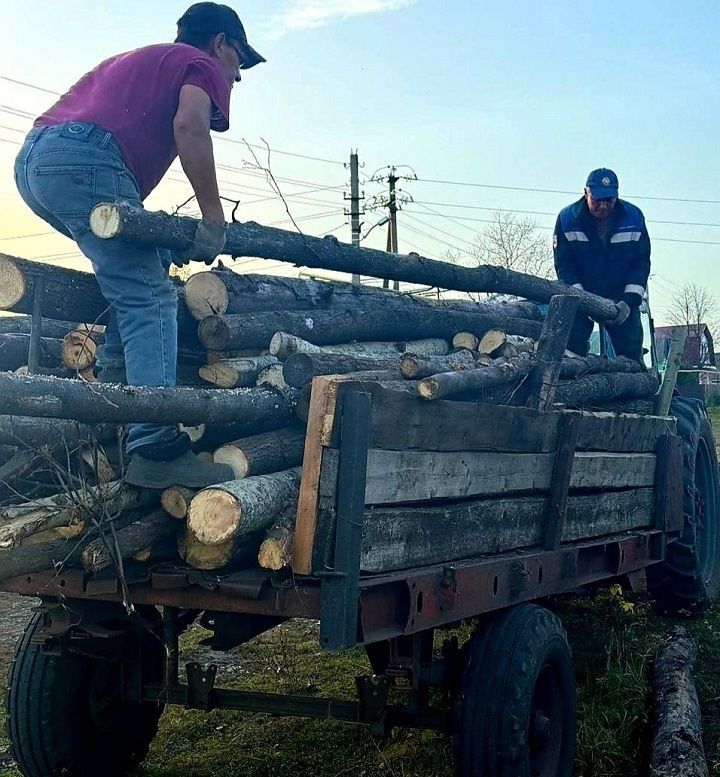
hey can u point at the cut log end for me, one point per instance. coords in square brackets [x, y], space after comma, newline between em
[206, 295]
[176, 500]
[276, 552]
[214, 517]
[105, 220]
[428, 388]
[465, 340]
[491, 341]
[214, 333]
[236, 458]
[195, 433]
[13, 287]
[200, 556]
[78, 351]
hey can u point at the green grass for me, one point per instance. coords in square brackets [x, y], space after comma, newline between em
[613, 635]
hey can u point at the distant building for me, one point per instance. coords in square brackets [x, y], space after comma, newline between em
[699, 350]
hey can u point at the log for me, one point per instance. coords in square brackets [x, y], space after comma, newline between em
[49, 433]
[284, 345]
[207, 557]
[674, 362]
[216, 434]
[22, 325]
[575, 366]
[14, 351]
[235, 372]
[417, 367]
[65, 294]
[78, 350]
[176, 500]
[491, 341]
[301, 368]
[677, 746]
[222, 513]
[103, 552]
[135, 225]
[263, 453]
[465, 340]
[325, 327]
[542, 382]
[57, 398]
[608, 387]
[447, 384]
[272, 377]
[276, 549]
[19, 522]
[217, 356]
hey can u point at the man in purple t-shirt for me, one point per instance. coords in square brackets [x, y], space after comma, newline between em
[112, 137]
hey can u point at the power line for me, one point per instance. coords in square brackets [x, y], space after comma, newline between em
[558, 191]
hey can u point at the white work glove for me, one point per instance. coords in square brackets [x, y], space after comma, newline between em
[623, 313]
[209, 241]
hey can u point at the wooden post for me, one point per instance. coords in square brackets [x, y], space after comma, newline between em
[560, 483]
[36, 328]
[677, 349]
[543, 380]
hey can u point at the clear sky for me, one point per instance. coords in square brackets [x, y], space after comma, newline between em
[522, 95]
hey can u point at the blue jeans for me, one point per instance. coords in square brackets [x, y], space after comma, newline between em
[62, 172]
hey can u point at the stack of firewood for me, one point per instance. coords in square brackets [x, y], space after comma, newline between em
[251, 346]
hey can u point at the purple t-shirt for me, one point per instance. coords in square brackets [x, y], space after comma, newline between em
[135, 96]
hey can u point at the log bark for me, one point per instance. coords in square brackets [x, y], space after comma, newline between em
[417, 367]
[233, 373]
[67, 294]
[576, 366]
[608, 387]
[250, 239]
[58, 398]
[284, 345]
[50, 432]
[301, 368]
[262, 454]
[448, 384]
[22, 325]
[176, 500]
[325, 327]
[14, 351]
[222, 513]
[103, 552]
[21, 521]
[677, 746]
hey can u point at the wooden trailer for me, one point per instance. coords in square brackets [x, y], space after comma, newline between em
[413, 516]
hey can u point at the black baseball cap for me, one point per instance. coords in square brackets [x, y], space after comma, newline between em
[214, 18]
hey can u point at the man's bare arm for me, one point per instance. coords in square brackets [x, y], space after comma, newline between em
[191, 127]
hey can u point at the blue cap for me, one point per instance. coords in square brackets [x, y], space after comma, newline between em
[602, 183]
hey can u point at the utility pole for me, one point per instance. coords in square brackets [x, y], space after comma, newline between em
[392, 207]
[355, 205]
[392, 203]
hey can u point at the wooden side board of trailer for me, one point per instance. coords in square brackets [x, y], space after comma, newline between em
[449, 480]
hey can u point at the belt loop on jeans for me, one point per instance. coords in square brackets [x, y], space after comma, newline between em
[106, 138]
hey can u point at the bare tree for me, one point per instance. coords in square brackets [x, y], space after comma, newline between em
[695, 307]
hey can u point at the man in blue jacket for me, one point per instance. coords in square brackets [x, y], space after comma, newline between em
[601, 245]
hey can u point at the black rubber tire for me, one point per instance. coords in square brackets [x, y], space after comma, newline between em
[62, 719]
[688, 581]
[514, 711]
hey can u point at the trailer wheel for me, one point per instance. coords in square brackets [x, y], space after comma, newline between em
[515, 701]
[689, 579]
[65, 717]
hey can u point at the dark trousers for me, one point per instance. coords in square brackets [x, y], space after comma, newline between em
[627, 338]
